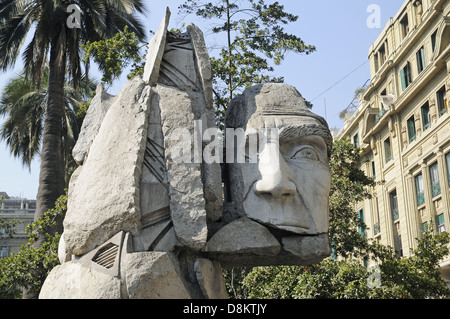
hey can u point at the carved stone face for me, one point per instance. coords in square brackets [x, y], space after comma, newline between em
[288, 186]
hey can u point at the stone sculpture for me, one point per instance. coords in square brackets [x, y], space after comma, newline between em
[143, 224]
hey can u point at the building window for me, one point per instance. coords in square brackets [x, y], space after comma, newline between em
[411, 125]
[424, 226]
[433, 41]
[426, 121]
[404, 26]
[375, 60]
[420, 195]
[387, 149]
[356, 140]
[405, 76]
[3, 251]
[420, 57]
[394, 204]
[440, 223]
[398, 245]
[434, 176]
[374, 175]
[442, 102]
[447, 161]
[376, 224]
[362, 225]
[382, 54]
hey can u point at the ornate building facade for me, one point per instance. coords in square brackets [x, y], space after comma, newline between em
[20, 210]
[402, 125]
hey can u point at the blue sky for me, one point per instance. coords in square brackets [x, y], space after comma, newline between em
[328, 77]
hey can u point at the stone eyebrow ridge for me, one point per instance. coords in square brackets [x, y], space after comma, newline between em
[293, 131]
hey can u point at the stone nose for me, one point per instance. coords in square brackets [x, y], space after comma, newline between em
[275, 188]
[274, 180]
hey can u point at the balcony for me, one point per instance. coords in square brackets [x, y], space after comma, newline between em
[379, 115]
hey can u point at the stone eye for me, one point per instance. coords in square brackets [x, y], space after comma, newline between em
[306, 153]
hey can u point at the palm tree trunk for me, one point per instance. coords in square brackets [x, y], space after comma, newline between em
[51, 176]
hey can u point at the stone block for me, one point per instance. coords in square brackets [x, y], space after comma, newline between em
[152, 275]
[243, 236]
[72, 280]
[210, 278]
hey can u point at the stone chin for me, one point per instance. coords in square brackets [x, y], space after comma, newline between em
[290, 214]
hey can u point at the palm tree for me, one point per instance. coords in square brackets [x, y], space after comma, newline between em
[23, 104]
[54, 39]
[59, 42]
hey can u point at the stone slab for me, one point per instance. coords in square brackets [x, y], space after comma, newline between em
[98, 107]
[156, 51]
[187, 204]
[105, 197]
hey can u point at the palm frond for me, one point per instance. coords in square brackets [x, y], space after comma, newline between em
[23, 128]
[35, 57]
[13, 32]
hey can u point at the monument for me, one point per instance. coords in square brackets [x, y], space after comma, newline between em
[149, 217]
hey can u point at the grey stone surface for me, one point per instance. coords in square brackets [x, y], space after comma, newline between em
[156, 51]
[72, 280]
[154, 186]
[151, 275]
[98, 107]
[310, 249]
[187, 204]
[243, 236]
[106, 257]
[210, 278]
[149, 236]
[105, 197]
[203, 62]
[287, 187]
[146, 217]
